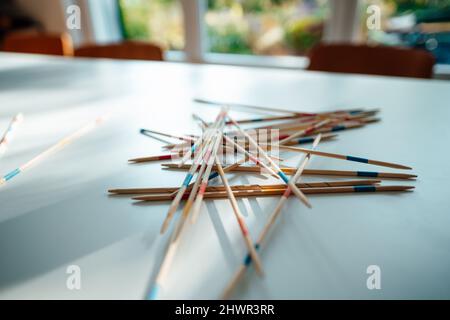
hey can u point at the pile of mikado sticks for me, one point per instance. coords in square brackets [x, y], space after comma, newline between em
[206, 158]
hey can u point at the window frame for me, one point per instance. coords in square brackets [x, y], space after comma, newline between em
[195, 50]
[343, 20]
[341, 26]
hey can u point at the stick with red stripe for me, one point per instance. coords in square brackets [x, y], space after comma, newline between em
[250, 156]
[192, 194]
[187, 180]
[180, 227]
[240, 220]
[207, 136]
[306, 131]
[276, 168]
[205, 179]
[176, 233]
[153, 158]
[249, 259]
[242, 150]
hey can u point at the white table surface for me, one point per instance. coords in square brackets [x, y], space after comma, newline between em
[59, 213]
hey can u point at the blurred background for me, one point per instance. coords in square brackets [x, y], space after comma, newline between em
[269, 33]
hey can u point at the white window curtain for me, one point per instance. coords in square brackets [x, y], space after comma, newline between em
[105, 19]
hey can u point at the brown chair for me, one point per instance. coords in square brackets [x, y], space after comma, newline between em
[39, 43]
[123, 50]
[378, 60]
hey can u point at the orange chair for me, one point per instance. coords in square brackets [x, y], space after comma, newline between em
[124, 50]
[39, 43]
[378, 60]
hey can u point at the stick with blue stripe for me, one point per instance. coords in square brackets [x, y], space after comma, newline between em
[266, 119]
[205, 180]
[202, 178]
[203, 157]
[193, 192]
[250, 156]
[173, 242]
[280, 173]
[306, 131]
[331, 187]
[319, 172]
[207, 136]
[196, 163]
[240, 219]
[215, 174]
[248, 259]
[310, 139]
[348, 158]
[52, 149]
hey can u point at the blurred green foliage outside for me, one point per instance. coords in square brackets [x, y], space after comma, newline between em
[271, 27]
[262, 27]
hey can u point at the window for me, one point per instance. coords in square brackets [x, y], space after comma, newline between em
[236, 31]
[255, 27]
[159, 21]
[264, 27]
[413, 23]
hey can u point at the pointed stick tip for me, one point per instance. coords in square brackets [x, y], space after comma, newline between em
[164, 227]
[260, 272]
[400, 166]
